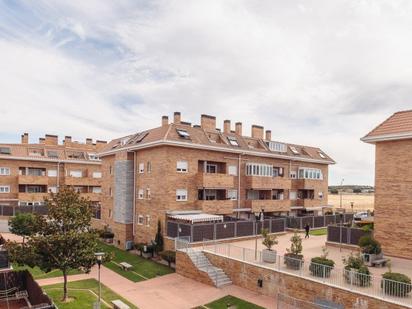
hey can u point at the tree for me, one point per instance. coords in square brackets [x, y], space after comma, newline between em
[268, 240]
[159, 238]
[65, 240]
[24, 224]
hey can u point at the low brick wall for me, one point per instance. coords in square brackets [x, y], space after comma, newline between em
[246, 276]
[185, 267]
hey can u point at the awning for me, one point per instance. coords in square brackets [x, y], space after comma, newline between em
[196, 218]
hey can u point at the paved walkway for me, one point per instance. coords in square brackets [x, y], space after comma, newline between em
[169, 291]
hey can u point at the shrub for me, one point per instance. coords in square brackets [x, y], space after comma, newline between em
[321, 266]
[357, 190]
[140, 247]
[159, 238]
[367, 227]
[268, 240]
[334, 191]
[369, 245]
[169, 256]
[396, 284]
[293, 257]
[356, 272]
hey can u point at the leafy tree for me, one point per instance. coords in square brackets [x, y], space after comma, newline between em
[268, 240]
[159, 238]
[65, 240]
[296, 244]
[24, 224]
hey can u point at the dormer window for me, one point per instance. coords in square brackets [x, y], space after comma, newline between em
[294, 150]
[279, 147]
[75, 155]
[183, 133]
[52, 154]
[35, 152]
[5, 150]
[93, 157]
[233, 141]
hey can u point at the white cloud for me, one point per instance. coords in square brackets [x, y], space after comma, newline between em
[318, 73]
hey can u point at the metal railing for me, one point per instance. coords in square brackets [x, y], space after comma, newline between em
[349, 279]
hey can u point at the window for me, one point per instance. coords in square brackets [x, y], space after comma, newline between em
[53, 189]
[252, 195]
[147, 220]
[4, 171]
[181, 166]
[97, 174]
[279, 147]
[293, 174]
[232, 170]
[97, 189]
[93, 157]
[148, 194]
[181, 195]
[232, 141]
[140, 220]
[210, 195]
[292, 195]
[149, 167]
[5, 150]
[141, 168]
[76, 174]
[140, 194]
[52, 154]
[110, 169]
[110, 213]
[75, 155]
[52, 173]
[256, 169]
[35, 152]
[4, 189]
[211, 168]
[310, 173]
[322, 155]
[294, 150]
[110, 191]
[232, 194]
[183, 133]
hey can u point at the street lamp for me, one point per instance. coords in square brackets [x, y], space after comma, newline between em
[99, 257]
[341, 184]
[261, 219]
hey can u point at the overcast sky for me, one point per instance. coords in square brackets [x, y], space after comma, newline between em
[319, 73]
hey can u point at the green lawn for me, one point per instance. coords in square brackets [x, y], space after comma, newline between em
[37, 273]
[81, 295]
[319, 232]
[223, 303]
[142, 268]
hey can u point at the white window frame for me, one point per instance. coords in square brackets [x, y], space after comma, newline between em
[141, 168]
[147, 220]
[208, 165]
[140, 194]
[52, 189]
[232, 170]
[148, 194]
[293, 175]
[232, 194]
[310, 173]
[97, 175]
[93, 156]
[293, 195]
[294, 150]
[182, 166]
[5, 189]
[4, 171]
[76, 173]
[278, 147]
[149, 167]
[140, 220]
[96, 189]
[51, 173]
[258, 169]
[181, 195]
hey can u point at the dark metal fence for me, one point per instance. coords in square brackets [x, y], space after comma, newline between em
[317, 221]
[222, 230]
[345, 235]
[6, 210]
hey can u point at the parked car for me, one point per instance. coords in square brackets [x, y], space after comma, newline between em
[360, 216]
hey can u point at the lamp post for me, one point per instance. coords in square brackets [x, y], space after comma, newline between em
[340, 192]
[261, 218]
[99, 257]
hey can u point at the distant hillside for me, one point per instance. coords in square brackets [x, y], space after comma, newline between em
[352, 189]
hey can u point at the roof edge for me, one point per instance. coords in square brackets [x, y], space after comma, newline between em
[386, 137]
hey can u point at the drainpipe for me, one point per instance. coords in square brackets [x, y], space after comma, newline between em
[134, 194]
[238, 183]
[58, 176]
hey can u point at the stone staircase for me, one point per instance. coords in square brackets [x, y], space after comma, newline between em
[217, 275]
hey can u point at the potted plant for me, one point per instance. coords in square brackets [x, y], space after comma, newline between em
[396, 284]
[293, 258]
[355, 271]
[371, 249]
[268, 255]
[321, 266]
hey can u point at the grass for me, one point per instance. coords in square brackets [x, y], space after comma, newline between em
[319, 232]
[81, 295]
[142, 268]
[238, 303]
[37, 273]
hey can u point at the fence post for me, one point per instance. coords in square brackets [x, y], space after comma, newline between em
[191, 233]
[284, 224]
[214, 231]
[313, 222]
[324, 220]
[270, 225]
[235, 229]
[178, 230]
[243, 254]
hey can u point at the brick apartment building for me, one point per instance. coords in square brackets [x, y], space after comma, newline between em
[393, 183]
[179, 169]
[28, 171]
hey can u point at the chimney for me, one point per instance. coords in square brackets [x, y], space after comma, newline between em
[165, 121]
[257, 131]
[101, 142]
[176, 117]
[25, 138]
[226, 126]
[238, 129]
[51, 139]
[67, 140]
[41, 140]
[89, 141]
[268, 135]
[208, 123]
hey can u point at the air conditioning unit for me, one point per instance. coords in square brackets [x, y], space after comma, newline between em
[129, 245]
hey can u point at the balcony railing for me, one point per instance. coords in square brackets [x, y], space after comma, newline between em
[221, 207]
[258, 182]
[215, 180]
[268, 205]
[32, 197]
[307, 202]
[82, 181]
[33, 180]
[308, 184]
[96, 197]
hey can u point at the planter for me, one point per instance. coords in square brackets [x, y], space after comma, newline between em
[354, 277]
[269, 256]
[320, 270]
[396, 284]
[369, 258]
[293, 261]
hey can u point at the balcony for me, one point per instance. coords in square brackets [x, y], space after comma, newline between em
[220, 207]
[308, 184]
[307, 202]
[215, 180]
[268, 205]
[82, 181]
[95, 197]
[258, 182]
[33, 180]
[32, 197]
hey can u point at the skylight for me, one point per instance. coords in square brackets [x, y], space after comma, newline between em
[233, 141]
[183, 133]
[5, 150]
[140, 137]
[322, 155]
[294, 150]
